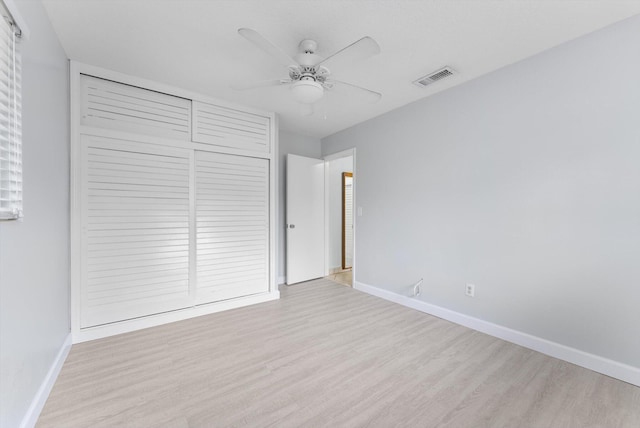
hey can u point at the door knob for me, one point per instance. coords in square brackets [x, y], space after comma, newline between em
[292, 226]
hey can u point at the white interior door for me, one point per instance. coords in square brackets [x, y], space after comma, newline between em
[305, 218]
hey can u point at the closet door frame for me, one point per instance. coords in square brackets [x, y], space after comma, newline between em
[77, 69]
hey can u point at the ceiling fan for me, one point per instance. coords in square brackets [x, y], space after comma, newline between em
[310, 75]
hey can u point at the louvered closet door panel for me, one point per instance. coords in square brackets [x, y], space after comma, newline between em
[112, 105]
[225, 127]
[135, 230]
[232, 226]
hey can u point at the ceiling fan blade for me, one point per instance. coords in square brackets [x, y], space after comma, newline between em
[264, 44]
[356, 51]
[349, 89]
[259, 84]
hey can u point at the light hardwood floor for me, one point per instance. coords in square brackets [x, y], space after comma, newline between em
[327, 355]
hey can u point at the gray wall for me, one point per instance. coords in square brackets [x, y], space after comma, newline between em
[525, 182]
[296, 145]
[34, 253]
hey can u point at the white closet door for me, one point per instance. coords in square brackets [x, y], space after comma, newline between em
[226, 127]
[113, 105]
[135, 231]
[232, 226]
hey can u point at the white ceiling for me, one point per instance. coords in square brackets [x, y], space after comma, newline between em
[194, 44]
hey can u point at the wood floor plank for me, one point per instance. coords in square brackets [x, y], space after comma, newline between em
[325, 355]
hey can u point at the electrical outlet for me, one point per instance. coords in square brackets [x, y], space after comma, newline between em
[417, 290]
[470, 290]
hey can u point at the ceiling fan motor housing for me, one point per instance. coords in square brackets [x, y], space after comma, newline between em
[307, 57]
[308, 46]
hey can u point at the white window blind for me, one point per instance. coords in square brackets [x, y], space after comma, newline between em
[10, 119]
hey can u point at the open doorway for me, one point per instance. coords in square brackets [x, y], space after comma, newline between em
[339, 196]
[347, 220]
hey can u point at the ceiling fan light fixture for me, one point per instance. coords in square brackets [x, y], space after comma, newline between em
[306, 109]
[307, 91]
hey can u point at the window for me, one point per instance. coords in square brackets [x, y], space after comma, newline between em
[10, 119]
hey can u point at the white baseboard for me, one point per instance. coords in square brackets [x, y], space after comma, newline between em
[589, 361]
[31, 417]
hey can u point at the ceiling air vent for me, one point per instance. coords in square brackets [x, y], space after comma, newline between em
[434, 77]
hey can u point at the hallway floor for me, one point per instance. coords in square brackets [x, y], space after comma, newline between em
[344, 277]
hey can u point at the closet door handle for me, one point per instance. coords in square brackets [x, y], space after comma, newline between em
[291, 226]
